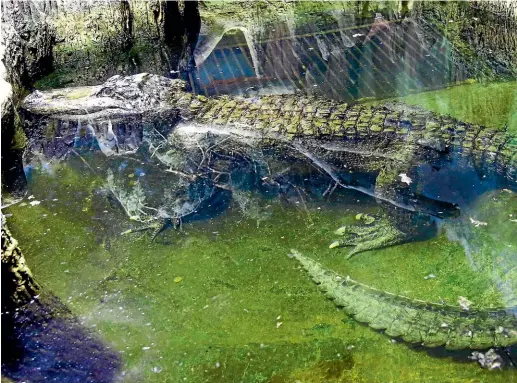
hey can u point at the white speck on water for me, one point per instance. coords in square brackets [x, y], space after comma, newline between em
[278, 324]
[205, 307]
[30, 197]
[55, 199]
[404, 178]
[217, 365]
[146, 348]
[430, 276]
[279, 317]
[34, 203]
[156, 370]
[67, 271]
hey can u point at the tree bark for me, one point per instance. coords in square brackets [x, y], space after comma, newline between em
[127, 24]
[18, 284]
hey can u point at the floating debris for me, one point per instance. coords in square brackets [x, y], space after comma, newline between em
[430, 276]
[489, 360]
[278, 324]
[477, 223]
[157, 370]
[464, 303]
[34, 203]
[146, 348]
[30, 197]
[404, 178]
[177, 279]
[358, 34]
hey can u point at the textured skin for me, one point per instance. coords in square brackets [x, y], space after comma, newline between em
[292, 116]
[415, 321]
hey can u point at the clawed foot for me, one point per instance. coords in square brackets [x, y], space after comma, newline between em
[372, 233]
[157, 227]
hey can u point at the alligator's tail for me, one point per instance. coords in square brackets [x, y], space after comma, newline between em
[416, 321]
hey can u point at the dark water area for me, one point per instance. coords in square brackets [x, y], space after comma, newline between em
[45, 342]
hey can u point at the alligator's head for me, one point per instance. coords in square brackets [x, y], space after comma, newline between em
[140, 95]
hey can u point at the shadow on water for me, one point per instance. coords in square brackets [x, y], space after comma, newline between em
[44, 341]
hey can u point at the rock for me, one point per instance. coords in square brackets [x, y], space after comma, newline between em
[490, 360]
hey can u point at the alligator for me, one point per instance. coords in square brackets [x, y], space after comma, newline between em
[415, 321]
[403, 147]
[408, 149]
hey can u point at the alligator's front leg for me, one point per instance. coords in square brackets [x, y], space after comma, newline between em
[157, 226]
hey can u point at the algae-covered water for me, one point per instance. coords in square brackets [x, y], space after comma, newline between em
[220, 300]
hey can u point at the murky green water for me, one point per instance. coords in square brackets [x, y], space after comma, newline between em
[220, 300]
[237, 284]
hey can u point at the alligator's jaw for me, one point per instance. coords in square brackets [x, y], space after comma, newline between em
[118, 97]
[75, 103]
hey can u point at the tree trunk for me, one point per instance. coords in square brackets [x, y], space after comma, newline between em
[127, 24]
[18, 285]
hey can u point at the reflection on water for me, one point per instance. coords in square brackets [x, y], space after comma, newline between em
[344, 51]
[215, 298]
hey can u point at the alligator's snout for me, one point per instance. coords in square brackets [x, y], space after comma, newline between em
[119, 96]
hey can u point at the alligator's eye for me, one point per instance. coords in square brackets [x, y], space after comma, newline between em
[107, 92]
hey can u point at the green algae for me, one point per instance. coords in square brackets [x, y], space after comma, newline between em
[221, 323]
[493, 105]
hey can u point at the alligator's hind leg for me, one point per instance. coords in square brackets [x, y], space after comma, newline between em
[406, 217]
[395, 186]
[374, 233]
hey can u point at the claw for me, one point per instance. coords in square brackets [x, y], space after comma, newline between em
[363, 238]
[157, 227]
[341, 231]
